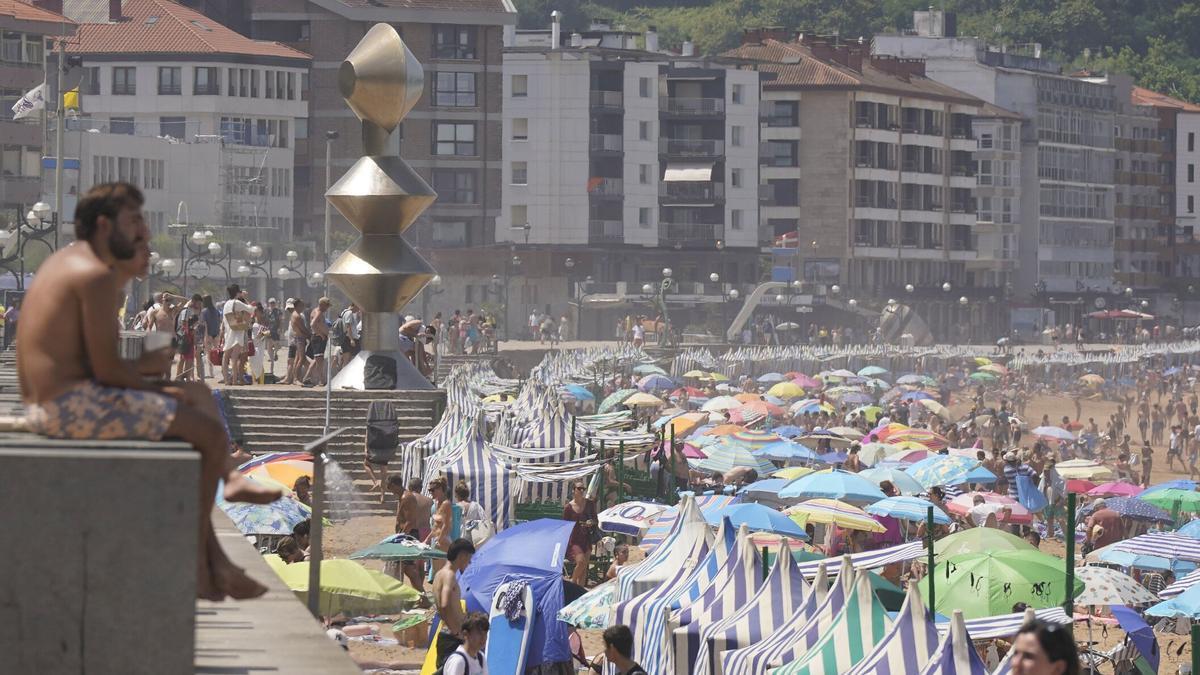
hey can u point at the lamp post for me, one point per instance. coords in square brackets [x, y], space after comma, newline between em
[434, 288]
[658, 293]
[330, 137]
[39, 224]
[510, 268]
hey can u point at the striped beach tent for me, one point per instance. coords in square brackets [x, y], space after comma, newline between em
[862, 623]
[738, 581]
[910, 644]
[684, 546]
[489, 479]
[817, 615]
[956, 654]
[867, 559]
[1006, 625]
[647, 614]
[664, 523]
[782, 594]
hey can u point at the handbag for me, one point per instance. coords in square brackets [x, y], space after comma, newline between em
[250, 348]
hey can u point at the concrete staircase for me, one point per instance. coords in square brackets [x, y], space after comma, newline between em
[283, 420]
[446, 362]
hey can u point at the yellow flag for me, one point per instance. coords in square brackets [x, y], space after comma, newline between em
[71, 99]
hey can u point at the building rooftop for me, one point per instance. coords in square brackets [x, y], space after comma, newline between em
[1143, 96]
[165, 27]
[23, 11]
[798, 65]
[442, 5]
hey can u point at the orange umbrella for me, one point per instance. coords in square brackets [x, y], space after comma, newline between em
[724, 430]
[748, 398]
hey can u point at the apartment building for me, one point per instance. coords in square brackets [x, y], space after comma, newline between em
[1067, 219]
[870, 167]
[24, 30]
[626, 160]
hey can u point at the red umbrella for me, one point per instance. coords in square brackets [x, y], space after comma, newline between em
[1080, 486]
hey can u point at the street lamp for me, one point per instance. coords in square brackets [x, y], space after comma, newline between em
[962, 300]
[909, 288]
[714, 277]
[40, 225]
[946, 287]
[434, 288]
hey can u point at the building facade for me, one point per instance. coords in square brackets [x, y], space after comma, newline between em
[627, 161]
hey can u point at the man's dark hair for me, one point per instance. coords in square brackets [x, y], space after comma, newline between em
[458, 547]
[414, 484]
[619, 638]
[233, 290]
[476, 621]
[302, 528]
[395, 481]
[196, 297]
[105, 199]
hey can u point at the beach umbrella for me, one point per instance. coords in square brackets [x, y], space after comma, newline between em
[347, 586]
[833, 484]
[924, 437]
[279, 517]
[1080, 486]
[695, 374]
[788, 430]
[916, 396]
[656, 383]
[648, 369]
[757, 518]
[786, 390]
[994, 368]
[691, 451]
[685, 423]
[942, 470]
[783, 451]
[981, 377]
[908, 508]
[982, 361]
[833, 512]
[1188, 501]
[833, 457]
[979, 540]
[811, 405]
[1141, 635]
[855, 398]
[615, 399]
[962, 505]
[766, 489]
[770, 378]
[642, 399]
[756, 409]
[1186, 604]
[806, 382]
[990, 583]
[1177, 484]
[1116, 489]
[936, 408]
[632, 518]
[592, 610]
[1106, 586]
[1191, 529]
[283, 470]
[753, 438]
[1054, 433]
[1129, 560]
[579, 392]
[870, 412]
[840, 374]
[922, 380]
[1131, 507]
[717, 377]
[845, 432]
[791, 473]
[399, 547]
[1083, 468]
[721, 403]
[724, 456]
[724, 430]
[978, 475]
[903, 482]
[747, 397]
[275, 563]
[1091, 380]
[872, 371]
[873, 453]
[506, 398]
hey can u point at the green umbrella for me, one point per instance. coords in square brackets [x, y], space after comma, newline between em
[982, 376]
[988, 584]
[1188, 500]
[347, 586]
[615, 399]
[979, 540]
[399, 547]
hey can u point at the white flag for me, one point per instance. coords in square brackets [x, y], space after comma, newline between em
[31, 102]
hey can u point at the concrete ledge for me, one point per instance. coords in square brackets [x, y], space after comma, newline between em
[98, 569]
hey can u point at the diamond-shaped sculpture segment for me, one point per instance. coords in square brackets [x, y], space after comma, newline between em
[381, 195]
[381, 80]
[380, 273]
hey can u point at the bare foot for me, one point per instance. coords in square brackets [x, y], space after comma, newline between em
[238, 488]
[234, 582]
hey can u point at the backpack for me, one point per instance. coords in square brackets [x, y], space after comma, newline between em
[479, 658]
[337, 332]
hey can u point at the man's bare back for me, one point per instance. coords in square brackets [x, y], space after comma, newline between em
[406, 520]
[448, 597]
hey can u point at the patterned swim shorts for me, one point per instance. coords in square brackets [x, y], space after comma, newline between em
[90, 411]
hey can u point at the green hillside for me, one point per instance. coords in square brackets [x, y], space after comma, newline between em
[1155, 40]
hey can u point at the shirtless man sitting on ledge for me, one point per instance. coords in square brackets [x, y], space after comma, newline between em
[75, 385]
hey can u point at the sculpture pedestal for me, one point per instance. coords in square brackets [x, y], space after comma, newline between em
[407, 375]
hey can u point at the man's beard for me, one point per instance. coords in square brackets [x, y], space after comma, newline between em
[121, 247]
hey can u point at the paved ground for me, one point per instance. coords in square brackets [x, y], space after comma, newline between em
[272, 634]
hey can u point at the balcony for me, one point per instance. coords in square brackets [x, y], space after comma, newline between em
[686, 192]
[606, 187]
[692, 107]
[606, 231]
[611, 100]
[872, 202]
[681, 147]
[690, 234]
[607, 143]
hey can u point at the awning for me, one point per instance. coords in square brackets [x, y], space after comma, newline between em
[688, 172]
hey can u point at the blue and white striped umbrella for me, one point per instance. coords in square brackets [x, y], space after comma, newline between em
[833, 484]
[905, 483]
[908, 508]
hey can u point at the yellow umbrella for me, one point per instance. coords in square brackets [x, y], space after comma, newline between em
[786, 390]
[347, 586]
[643, 399]
[1092, 380]
[982, 361]
[275, 563]
[695, 373]
[793, 472]
[833, 512]
[1083, 468]
[500, 398]
[718, 377]
[935, 408]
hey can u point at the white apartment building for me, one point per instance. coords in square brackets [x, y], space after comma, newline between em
[628, 160]
[194, 114]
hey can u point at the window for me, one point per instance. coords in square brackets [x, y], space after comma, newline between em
[91, 80]
[735, 136]
[643, 131]
[1191, 205]
[301, 128]
[206, 81]
[520, 215]
[455, 186]
[520, 173]
[453, 42]
[280, 88]
[520, 128]
[644, 216]
[124, 81]
[291, 86]
[738, 92]
[983, 174]
[644, 87]
[779, 153]
[735, 178]
[735, 219]
[232, 82]
[644, 174]
[170, 80]
[175, 127]
[254, 75]
[454, 90]
[16, 47]
[454, 139]
[520, 86]
[1191, 173]
[269, 84]
[782, 113]
[120, 125]
[1191, 141]
[152, 174]
[985, 141]
[243, 82]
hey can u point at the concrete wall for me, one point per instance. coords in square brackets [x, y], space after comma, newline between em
[98, 572]
[1188, 123]
[824, 181]
[745, 157]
